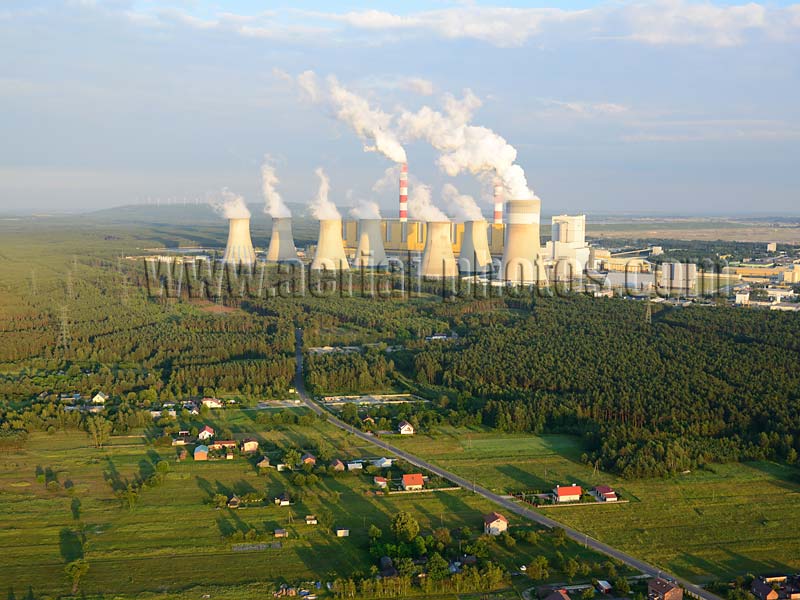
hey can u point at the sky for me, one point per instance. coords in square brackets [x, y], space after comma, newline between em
[669, 106]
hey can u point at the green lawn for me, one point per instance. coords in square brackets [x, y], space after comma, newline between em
[172, 541]
[711, 524]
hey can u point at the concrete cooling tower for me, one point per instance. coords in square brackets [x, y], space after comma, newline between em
[330, 247]
[437, 258]
[521, 253]
[370, 252]
[475, 258]
[281, 244]
[239, 250]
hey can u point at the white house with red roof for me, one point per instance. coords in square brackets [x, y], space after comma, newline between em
[405, 428]
[379, 481]
[206, 433]
[567, 493]
[494, 524]
[413, 482]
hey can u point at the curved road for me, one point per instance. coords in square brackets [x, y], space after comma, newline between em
[506, 503]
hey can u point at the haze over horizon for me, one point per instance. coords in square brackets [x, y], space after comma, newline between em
[675, 106]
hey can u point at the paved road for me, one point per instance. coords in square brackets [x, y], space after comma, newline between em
[503, 501]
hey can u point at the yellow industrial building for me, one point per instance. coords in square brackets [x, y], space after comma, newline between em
[410, 236]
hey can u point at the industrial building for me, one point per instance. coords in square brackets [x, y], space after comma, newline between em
[567, 254]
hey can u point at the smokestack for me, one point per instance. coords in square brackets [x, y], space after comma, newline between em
[521, 253]
[404, 192]
[475, 258]
[330, 247]
[239, 250]
[281, 244]
[498, 202]
[370, 252]
[437, 258]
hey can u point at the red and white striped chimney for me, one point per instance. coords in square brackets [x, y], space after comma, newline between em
[498, 202]
[404, 192]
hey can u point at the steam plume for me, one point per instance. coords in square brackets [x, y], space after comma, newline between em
[365, 209]
[273, 203]
[372, 125]
[421, 206]
[466, 147]
[321, 207]
[461, 206]
[230, 205]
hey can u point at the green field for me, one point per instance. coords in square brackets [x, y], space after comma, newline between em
[172, 541]
[716, 523]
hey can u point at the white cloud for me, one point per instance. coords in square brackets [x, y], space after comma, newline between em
[712, 130]
[661, 22]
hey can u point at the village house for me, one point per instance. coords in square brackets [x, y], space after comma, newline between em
[354, 466]
[605, 493]
[383, 463]
[249, 446]
[560, 594]
[99, 398]
[405, 428]
[567, 493]
[494, 524]
[234, 502]
[413, 482]
[263, 463]
[201, 452]
[661, 589]
[381, 482]
[337, 465]
[342, 532]
[368, 420]
[206, 433]
[308, 459]
[281, 533]
[211, 403]
[181, 440]
[311, 520]
[776, 587]
[283, 499]
[223, 444]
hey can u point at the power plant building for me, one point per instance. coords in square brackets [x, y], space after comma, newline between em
[567, 253]
[521, 261]
[330, 254]
[281, 243]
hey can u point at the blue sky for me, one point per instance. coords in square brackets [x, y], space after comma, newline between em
[672, 106]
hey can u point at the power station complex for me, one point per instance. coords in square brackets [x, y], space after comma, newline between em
[508, 249]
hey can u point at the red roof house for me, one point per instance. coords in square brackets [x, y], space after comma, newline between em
[567, 493]
[413, 481]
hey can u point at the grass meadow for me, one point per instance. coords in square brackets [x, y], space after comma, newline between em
[172, 543]
[710, 524]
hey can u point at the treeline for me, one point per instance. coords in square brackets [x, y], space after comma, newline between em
[697, 385]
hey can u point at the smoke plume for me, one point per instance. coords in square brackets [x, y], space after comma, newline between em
[461, 206]
[365, 209]
[273, 203]
[372, 125]
[466, 147]
[421, 207]
[230, 205]
[321, 207]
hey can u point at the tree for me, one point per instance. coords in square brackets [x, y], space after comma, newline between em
[539, 568]
[442, 536]
[438, 567]
[405, 527]
[75, 571]
[291, 457]
[571, 567]
[375, 533]
[99, 429]
[621, 586]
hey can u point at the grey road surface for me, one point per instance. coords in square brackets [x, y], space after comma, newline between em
[504, 502]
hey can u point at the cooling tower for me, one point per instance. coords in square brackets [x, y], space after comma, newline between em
[521, 253]
[437, 258]
[281, 244]
[475, 257]
[370, 252]
[404, 193]
[330, 247]
[239, 250]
